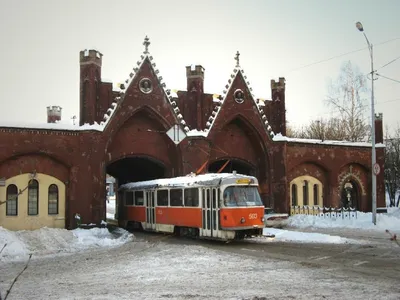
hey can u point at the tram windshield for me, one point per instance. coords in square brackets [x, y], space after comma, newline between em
[241, 196]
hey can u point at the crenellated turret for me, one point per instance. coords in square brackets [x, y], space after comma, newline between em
[90, 81]
[278, 110]
[195, 89]
[53, 114]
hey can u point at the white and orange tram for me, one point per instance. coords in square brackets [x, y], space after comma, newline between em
[223, 206]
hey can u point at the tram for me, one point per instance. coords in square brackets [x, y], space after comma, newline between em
[223, 206]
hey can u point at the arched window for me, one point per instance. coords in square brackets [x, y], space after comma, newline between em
[294, 195]
[305, 193]
[33, 197]
[12, 200]
[53, 200]
[316, 196]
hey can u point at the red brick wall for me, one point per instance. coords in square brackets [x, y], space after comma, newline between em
[68, 156]
[334, 162]
[138, 128]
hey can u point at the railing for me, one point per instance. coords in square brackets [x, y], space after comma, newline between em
[325, 212]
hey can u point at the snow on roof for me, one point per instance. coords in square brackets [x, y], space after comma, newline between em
[86, 51]
[280, 138]
[185, 181]
[106, 80]
[53, 126]
[174, 93]
[195, 132]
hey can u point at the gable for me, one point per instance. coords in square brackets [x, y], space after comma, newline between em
[144, 87]
[238, 99]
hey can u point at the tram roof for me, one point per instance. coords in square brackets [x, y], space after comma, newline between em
[187, 181]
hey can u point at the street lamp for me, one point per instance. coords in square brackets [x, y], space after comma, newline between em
[360, 28]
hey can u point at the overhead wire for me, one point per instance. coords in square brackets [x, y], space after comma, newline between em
[362, 106]
[348, 53]
[391, 79]
[392, 61]
[343, 54]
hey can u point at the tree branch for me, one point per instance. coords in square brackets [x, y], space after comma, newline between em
[16, 278]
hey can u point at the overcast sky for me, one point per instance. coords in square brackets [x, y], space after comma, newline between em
[41, 40]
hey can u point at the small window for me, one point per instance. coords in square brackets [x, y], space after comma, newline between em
[129, 198]
[176, 197]
[316, 196]
[53, 200]
[33, 197]
[294, 194]
[162, 197]
[139, 198]
[192, 197]
[12, 200]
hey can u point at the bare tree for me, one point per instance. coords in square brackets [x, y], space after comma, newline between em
[347, 98]
[322, 129]
[392, 166]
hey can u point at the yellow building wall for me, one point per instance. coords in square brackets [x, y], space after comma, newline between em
[23, 221]
[299, 181]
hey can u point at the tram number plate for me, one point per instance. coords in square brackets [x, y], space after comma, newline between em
[252, 216]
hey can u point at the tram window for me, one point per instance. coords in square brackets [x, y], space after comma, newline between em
[139, 198]
[129, 198]
[191, 197]
[214, 198]
[176, 197]
[162, 197]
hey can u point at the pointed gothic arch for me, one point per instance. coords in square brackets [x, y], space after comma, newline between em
[230, 164]
[228, 144]
[142, 136]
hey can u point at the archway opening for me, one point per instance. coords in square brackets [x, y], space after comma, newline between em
[239, 166]
[129, 169]
[350, 196]
[132, 169]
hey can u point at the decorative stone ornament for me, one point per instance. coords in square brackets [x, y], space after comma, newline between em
[145, 85]
[239, 96]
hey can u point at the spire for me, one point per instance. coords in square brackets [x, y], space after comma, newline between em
[146, 44]
[237, 59]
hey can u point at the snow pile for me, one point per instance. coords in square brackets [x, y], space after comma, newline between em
[390, 221]
[51, 241]
[100, 237]
[305, 237]
[14, 247]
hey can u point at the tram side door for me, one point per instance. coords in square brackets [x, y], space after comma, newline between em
[214, 212]
[150, 210]
[210, 212]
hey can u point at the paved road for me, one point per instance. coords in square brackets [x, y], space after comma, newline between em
[376, 259]
[157, 266]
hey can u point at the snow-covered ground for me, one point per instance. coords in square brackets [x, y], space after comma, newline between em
[48, 241]
[116, 264]
[360, 220]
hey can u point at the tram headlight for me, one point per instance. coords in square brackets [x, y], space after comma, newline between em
[262, 219]
[242, 220]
